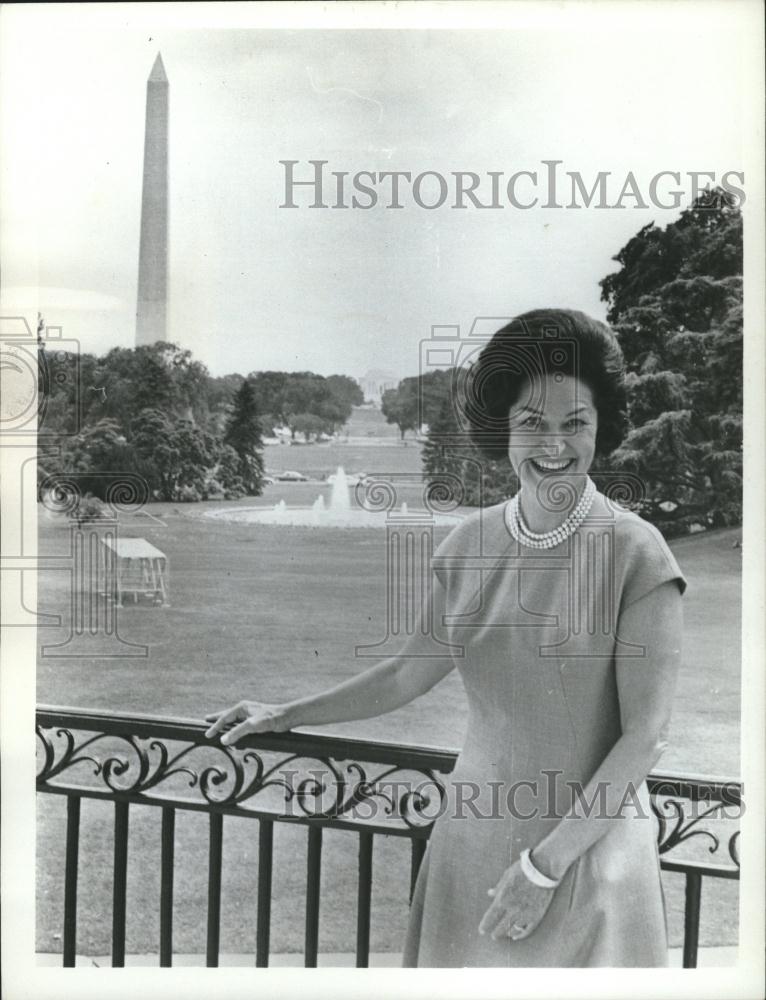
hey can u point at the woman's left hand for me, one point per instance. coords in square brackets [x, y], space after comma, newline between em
[518, 906]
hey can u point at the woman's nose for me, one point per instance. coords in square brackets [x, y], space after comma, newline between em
[551, 446]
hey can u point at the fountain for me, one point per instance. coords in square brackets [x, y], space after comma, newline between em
[340, 513]
[340, 498]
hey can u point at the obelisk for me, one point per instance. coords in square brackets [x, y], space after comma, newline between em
[151, 311]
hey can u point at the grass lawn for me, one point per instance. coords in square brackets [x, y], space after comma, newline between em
[366, 444]
[266, 613]
[318, 460]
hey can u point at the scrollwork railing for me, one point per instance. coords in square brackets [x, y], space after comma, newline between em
[315, 780]
[319, 777]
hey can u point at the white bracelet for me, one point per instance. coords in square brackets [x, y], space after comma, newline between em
[534, 874]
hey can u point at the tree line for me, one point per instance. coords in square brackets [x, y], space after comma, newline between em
[155, 411]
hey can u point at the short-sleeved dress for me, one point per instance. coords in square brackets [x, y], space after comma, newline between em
[538, 630]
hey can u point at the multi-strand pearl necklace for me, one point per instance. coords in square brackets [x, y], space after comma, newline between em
[549, 539]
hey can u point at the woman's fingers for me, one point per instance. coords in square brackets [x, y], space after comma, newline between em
[503, 929]
[237, 732]
[262, 722]
[511, 924]
[245, 717]
[222, 719]
[492, 917]
[252, 724]
[517, 907]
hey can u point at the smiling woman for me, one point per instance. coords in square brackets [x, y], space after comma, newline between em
[563, 615]
[570, 629]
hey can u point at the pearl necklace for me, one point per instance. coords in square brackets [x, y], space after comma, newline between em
[549, 539]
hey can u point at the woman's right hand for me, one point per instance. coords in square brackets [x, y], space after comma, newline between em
[247, 717]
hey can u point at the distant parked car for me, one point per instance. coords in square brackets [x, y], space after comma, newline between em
[292, 477]
[268, 480]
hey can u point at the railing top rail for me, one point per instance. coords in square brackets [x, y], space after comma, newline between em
[167, 727]
[441, 759]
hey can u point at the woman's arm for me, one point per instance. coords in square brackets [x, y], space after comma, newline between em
[385, 686]
[646, 686]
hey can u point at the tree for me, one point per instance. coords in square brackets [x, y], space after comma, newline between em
[99, 455]
[158, 376]
[220, 399]
[227, 474]
[306, 392]
[400, 405]
[176, 457]
[450, 456]
[270, 389]
[676, 305]
[243, 434]
[284, 396]
[432, 388]
[346, 391]
[308, 424]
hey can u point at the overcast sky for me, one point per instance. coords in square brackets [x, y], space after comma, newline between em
[255, 286]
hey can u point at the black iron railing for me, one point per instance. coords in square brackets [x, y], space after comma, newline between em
[364, 786]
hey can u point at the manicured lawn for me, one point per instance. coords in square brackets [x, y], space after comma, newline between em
[267, 613]
[317, 460]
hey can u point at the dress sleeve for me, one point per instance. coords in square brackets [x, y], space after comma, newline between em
[650, 563]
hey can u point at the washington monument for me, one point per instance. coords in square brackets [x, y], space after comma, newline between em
[151, 311]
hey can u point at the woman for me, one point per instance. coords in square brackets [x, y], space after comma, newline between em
[564, 611]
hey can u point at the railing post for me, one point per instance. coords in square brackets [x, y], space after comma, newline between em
[70, 879]
[166, 889]
[692, 901]
[214, 890]
[119, 889]
[313, 879]
[363, 901]
[263, 921]
[419, 845]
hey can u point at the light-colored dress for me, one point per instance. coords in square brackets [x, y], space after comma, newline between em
[539, 633]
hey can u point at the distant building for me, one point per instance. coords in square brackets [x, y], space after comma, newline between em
[375, 383]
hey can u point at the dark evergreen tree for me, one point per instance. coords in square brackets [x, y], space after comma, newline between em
[243, 434]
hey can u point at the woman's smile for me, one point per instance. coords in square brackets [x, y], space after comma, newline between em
[545, 466]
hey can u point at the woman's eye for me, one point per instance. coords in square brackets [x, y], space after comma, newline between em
[530, 422]
[576, 422]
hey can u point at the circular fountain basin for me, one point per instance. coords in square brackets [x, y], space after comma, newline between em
[340, 513]
[308, 517]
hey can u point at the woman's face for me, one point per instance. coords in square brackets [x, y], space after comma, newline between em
[553, 427]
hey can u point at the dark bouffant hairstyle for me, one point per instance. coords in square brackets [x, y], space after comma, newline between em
[545, 342]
